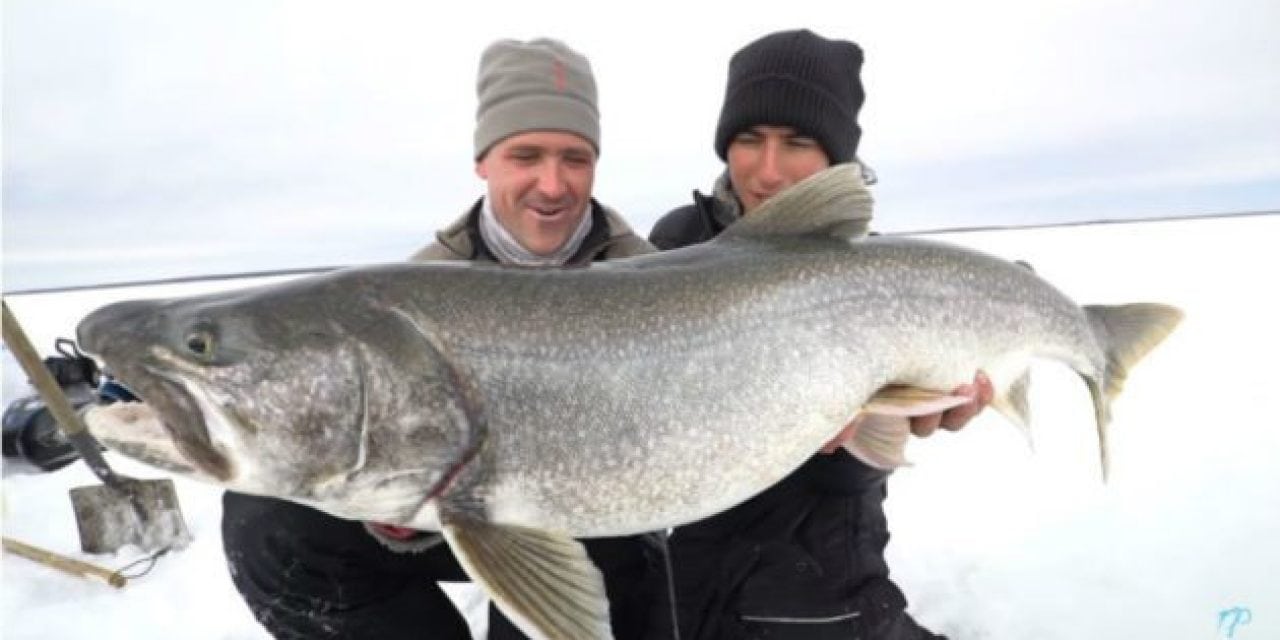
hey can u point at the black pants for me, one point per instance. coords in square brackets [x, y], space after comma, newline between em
[802, 561]
[308, 575]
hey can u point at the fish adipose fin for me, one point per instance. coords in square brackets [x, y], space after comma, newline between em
[833, 202]
[544, 582]
[885, 422]
[1127, 333]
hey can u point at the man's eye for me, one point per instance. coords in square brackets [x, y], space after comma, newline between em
[523, 154]
[746, 138]
[802, 142]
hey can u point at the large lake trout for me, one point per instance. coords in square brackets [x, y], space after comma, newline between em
[516, 409]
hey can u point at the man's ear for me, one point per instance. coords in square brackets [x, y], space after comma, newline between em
[481, 169]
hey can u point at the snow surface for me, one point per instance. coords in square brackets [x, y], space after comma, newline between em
[991, 539]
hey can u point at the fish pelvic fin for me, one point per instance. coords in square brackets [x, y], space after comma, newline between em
[880, 440]
[833, 202]
[908, 401]
[1127, 333]
[543, 581]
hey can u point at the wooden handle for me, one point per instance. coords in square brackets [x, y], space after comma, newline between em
[63, 563]
[68, 420]
[31, 363]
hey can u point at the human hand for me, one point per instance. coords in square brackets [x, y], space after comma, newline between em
[979, 393]
[954, 419]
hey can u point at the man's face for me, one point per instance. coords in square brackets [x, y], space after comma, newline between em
[539, 186]
[764, 160]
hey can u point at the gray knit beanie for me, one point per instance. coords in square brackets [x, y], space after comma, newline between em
[540, 85]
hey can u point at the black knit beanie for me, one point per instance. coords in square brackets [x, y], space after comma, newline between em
[795, 79]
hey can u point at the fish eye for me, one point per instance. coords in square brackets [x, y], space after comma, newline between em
[200, 343]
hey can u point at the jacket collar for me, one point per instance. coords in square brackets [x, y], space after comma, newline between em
[463, 236]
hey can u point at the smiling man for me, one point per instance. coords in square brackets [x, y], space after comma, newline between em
[537, 140]
[306, 574]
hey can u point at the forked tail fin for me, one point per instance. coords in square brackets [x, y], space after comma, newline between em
[1127, 333]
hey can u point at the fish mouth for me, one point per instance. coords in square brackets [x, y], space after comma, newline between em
[136, 431]
[182, 417]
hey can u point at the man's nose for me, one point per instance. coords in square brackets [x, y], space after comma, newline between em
[769, 170]
[551, 183]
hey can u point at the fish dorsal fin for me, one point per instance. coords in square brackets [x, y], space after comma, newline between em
[543, 581]
[884, 424]
[833, 202]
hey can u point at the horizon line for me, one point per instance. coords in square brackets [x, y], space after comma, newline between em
[936, 231]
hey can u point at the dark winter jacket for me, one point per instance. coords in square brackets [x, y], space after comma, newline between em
[691, 224]
[698, 222]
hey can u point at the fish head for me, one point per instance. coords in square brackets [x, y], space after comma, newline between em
[293, 392]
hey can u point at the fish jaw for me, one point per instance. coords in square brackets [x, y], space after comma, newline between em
[135, 430]
[182, 427]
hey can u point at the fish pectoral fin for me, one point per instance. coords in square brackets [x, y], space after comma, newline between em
[907, 401]
[880, 440]
[543, 581]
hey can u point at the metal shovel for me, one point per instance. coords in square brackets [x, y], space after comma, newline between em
[122, 510]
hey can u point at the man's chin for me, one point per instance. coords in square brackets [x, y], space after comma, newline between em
[543, 250]
[542, 243]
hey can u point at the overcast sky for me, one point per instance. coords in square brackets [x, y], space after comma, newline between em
[152, 139]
